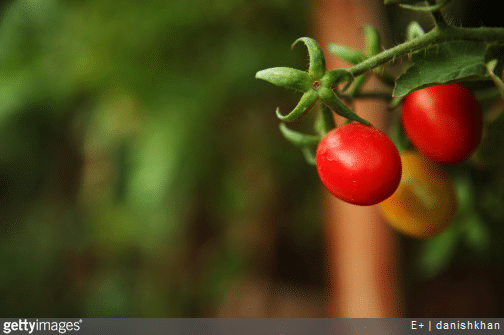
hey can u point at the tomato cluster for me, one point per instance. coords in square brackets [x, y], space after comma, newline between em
[445, 124]
[360, 165]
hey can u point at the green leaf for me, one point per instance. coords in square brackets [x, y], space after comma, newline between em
[373, 42]
[464, 190]
[349, 55]
[286, 77]
[394, 103]
[306, 102]
[336, 105]
[317, 66]
[443, 63]
[477, 234]
[437, 253]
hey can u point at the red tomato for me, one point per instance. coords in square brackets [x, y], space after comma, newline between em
[444, 122]
[358, 164]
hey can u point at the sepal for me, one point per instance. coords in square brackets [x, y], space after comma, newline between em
[286, 77]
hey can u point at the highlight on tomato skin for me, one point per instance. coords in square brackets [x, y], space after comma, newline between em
[444, 122]
[358, 164]
[425, 202]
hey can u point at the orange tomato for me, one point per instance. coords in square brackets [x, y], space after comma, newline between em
[425, 203]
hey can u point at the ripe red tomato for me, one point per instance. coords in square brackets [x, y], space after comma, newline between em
[358, 164]
[425, 203]
[444, 122]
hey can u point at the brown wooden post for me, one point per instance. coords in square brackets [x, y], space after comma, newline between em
[362, 251]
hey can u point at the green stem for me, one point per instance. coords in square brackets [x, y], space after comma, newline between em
[435, 36]
[398, 51]
[430, 8]
[367, 95]
[438, 17]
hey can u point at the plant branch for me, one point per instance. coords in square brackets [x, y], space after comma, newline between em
[398, 51]
[435, 36]
[438, 17]
[431, 7]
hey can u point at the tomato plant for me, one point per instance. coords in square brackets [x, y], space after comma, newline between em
[425, 203]
[444, 122]
[441, 118]
[358, 164]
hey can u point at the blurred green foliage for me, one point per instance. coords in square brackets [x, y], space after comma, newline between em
[139, 171]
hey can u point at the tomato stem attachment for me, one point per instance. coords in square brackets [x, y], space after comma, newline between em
[307, 101]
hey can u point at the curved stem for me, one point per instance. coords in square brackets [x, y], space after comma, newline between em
[438, 17]
[430, 8]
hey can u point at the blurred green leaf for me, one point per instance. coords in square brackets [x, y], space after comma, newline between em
[437, 252]
[373, 41]
[131, 165]
[465, 192]
[108, 296]
[477, 234]
[348, 54]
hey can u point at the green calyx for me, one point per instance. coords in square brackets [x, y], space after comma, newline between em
[307, 143]
[316, 84]
[307, 101]
[286, 77]
[317, 66]
[335, 104]
[333, 77]
[324, 122]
